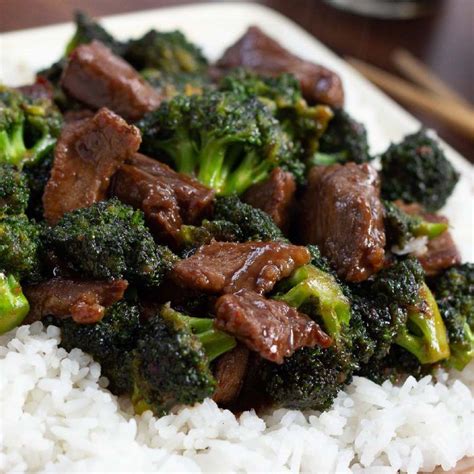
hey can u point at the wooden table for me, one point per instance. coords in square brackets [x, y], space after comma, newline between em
[445, 41]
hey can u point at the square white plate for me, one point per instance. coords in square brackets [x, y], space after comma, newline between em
[216, 26]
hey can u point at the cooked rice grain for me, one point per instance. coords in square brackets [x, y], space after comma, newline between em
[55, 417]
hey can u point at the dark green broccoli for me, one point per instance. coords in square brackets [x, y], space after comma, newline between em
[19, 246]
[169, 52]
[310, 379]
[282, 94]
[416, 170]
[397, 307]
[401, 227]
[88, 30]
[108, 240]
[13, 305]
[171, 363]
[254, 224]
[14, 193]
[37, 175]
[344, 140]
[28, 127]
[110, 342]
[454, 292]
[192, 237]
[226, 142]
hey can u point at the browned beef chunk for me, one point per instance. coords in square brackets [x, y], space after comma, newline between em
[98, 78]
[153, 196]
[87, 154]
[269, 327]
[194, 199]
[84, 301]
[342, 214]
[260, 53]
[274, 196]
[229, 371]
[226, 267]
[441, 252]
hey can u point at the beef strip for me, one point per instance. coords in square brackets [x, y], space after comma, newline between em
[342, 214]
[153, 196]
[272, 328]
[84, 301]
[441, 252]
[275, 196]
[98, 78]
[229, 372]
[226, 267]
[194, 199]
[87, 154]
[262, 54]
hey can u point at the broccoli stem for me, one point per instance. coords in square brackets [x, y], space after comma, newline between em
[214, 341]
[310, 284]
[425, 334]
[182, 151]
[429, 229]
[13, 305]
[212, 156]
[326, 159]
[12, 144]
[249, 172]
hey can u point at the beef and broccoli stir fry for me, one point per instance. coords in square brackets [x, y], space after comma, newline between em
[220, 230]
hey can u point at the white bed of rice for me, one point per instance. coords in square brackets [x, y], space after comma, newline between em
[56, 417]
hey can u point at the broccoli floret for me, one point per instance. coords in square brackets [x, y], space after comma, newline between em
[171, 363]
[109, 240]
[454, 292]
[401, 227]
[13, 305]
[310, 379]
[318, 294]
[14, 193]
[37, 176]
[109, 341]
[226, 142]
[19, 246]
[170, 52]
[398, 308]
[416, 170]
[88, 30]
[254, 224]
[28, 127]
[344, 140]
[192, 237]
[282, 94]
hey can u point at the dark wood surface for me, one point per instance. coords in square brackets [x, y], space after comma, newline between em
[444, 41]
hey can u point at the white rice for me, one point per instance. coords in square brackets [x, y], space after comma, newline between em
[55, 417]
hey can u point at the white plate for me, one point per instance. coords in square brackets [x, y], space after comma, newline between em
[214, 27]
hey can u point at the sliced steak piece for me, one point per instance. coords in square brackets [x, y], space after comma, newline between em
[226, 267]
[230, 371]
[84, 301]
[342, 214]
[269, 327]
[195, 200]
[87, 154]
[153, 196]
[98, 78]
[441, 252]
[40, 89]
[258, 52]
[275, 196]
